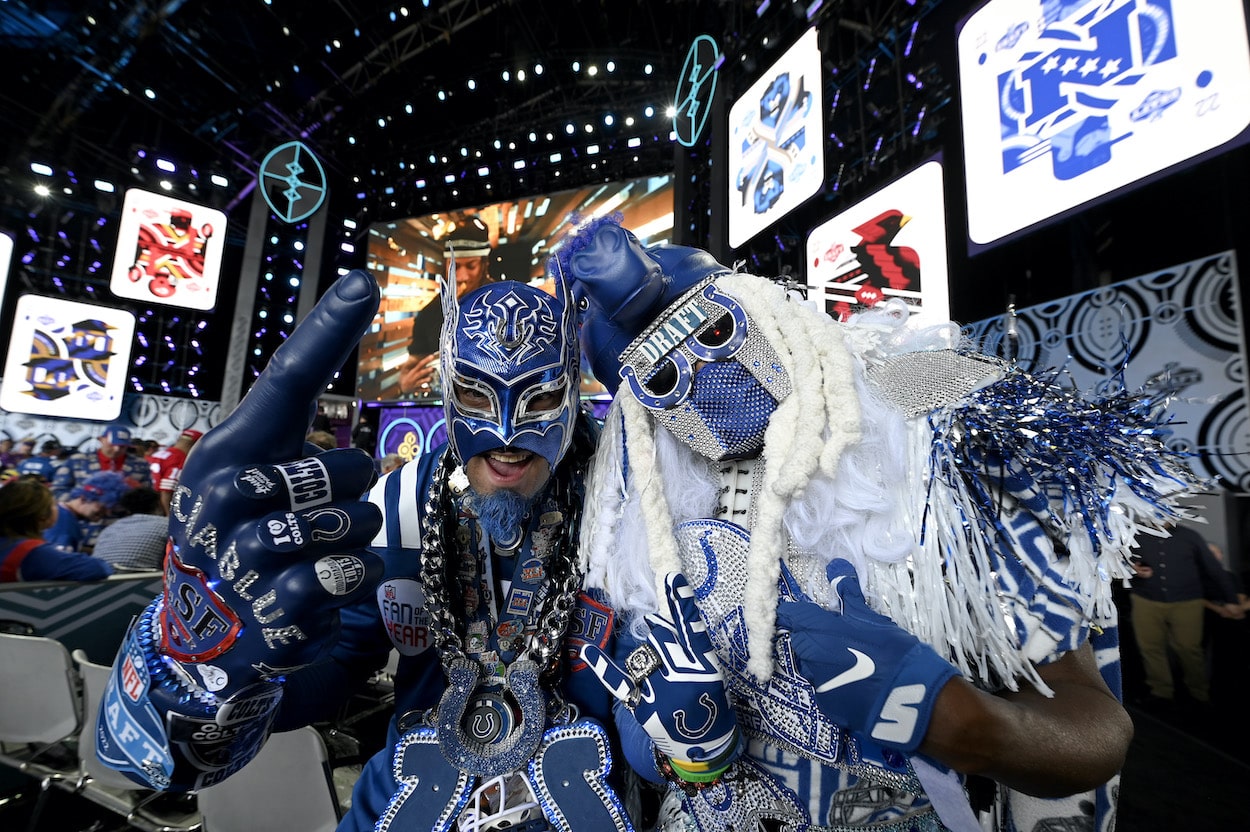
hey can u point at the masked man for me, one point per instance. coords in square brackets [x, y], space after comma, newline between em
[900, 552]
[477, 586]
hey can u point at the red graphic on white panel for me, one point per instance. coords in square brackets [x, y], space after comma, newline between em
[169, 251]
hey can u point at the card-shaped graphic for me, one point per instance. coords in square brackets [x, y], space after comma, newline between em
[67, 359]
[1063, 103]
[890, 245]
[168, 251]
[776, 147]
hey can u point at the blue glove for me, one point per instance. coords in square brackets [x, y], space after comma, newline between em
[265, 542]
[870, 675]
[674, 687]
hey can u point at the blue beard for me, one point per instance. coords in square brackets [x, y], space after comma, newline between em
[502, 513]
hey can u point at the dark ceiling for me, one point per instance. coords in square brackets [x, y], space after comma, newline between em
[376, 89]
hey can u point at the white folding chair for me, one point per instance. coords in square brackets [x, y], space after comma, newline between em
[286, 788]
[142, 808]
[39, 711]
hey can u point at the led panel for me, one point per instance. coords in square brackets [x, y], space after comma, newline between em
[776, 157]
[1063, 103]
[168, 251]
[890, 245]
[6, 258]
[67, 359]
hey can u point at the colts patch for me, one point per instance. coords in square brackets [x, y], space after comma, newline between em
[402, 604]
[196, 625]
[307, 481]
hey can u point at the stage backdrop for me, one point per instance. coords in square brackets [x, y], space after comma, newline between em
[406, 257]
[1181, 329]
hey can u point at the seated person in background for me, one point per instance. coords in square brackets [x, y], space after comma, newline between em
[82, 513]
[13, 453]
[113, 454]
[469, 246]
[27, 508]
[135, 541]
[390, 462]
[44, 464]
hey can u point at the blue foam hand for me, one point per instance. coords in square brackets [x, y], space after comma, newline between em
[623, 286]
[870, 675]
[673, 684]
[266, 543]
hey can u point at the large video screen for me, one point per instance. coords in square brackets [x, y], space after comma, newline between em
[397, 354]
[1063, 103]
[776, 147]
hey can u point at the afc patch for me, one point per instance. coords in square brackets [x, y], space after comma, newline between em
[591, 624]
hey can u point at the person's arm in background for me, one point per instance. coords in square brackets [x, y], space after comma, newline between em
[420, 368]
[418, 372]
[48, 563]
[1234, 603]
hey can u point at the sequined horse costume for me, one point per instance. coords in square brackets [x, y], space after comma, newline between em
[753, 440]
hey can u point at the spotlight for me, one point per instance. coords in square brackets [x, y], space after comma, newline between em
[166, 165]
[219, 180]
[41, 169]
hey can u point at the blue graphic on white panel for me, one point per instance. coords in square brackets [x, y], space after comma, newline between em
[1065, 102]
[1056, 100]
[776, 153]
[774, 143]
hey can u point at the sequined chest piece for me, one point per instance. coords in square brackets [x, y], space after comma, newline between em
[781, 713]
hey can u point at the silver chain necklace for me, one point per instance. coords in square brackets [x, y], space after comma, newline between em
[481, 742]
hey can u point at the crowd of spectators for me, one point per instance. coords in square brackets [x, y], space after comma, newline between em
[67, 514]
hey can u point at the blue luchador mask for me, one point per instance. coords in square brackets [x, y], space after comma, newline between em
[509, 363]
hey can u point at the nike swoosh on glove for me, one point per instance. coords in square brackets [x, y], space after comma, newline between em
[870, 674]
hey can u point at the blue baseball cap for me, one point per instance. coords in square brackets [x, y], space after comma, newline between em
[116, 434]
